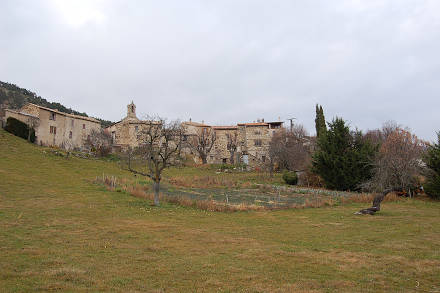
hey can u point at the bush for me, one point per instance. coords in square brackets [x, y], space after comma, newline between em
[432, 160]
[18, 128]
[432, 187]
[310, 179]
[290, 177]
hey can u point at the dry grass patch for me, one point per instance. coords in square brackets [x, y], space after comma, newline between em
[114, 243]
[368, 198]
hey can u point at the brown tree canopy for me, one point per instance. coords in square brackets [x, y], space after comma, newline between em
[399, 161]
[202, 142]
[98, 142]
[290, 149]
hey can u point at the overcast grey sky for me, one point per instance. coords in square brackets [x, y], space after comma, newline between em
[231, 61]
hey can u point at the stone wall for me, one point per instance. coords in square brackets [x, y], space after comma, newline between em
[125, 133]
[56, 128]
[220, 153]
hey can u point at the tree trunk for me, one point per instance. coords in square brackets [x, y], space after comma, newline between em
[156, 188]
[231, 160]
[204, 160]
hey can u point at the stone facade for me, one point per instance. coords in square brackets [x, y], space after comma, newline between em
[125, 132]
[226, 138]
[55, 128]
[251, 142]
[255, 139]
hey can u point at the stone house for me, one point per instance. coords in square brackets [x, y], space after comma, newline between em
[125, 132]
[55, 128]
[255, 139]
[246, 143]
[227, 147]
[243, 143]
[192, 130]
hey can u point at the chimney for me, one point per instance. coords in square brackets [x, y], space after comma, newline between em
[189, 119]
[262, 120]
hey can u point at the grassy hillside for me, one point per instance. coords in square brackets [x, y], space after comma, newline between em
[14, 97]
[59, 231]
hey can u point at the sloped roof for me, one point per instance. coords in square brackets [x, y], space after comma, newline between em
[195, 124]
[65, 114]
[135, 122]
[254, 124]
[21, 113]
[225, 127]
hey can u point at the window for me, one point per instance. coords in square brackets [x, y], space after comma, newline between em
[225, 161]
[263, 158]
[185, 138]
[70, 134]
[84, 126]
[88, 137]
[136, 128]
[52, 116]
[53, 130]
[257, 132]
[257, 142]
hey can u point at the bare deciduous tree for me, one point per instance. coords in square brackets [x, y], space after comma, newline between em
[127, 158]
[398, 162]
[232, 145]
[98, 142]
[202, 142]
[160, 145]
[378, 136]
[32, 122]
[67, 144]
[290, 149]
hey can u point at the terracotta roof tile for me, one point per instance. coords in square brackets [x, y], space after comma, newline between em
[254, 124]
[224, 127]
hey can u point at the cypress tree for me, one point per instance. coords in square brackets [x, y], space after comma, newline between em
[320, 125]
[343, 159]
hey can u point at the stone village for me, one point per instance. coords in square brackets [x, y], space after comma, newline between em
[55, 128]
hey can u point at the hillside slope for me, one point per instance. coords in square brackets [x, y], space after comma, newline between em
[14, 97]
[60, 231]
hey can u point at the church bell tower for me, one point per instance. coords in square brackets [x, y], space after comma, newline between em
[131, 110]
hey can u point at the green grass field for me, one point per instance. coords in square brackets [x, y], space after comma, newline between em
[61, 232]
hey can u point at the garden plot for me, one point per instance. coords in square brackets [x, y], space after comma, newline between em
[277, 197]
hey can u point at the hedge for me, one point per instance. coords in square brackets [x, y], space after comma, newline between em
[18, 128]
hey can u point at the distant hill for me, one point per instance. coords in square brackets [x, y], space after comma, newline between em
[14, 97]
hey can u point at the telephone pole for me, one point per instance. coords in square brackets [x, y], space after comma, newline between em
[291, 123]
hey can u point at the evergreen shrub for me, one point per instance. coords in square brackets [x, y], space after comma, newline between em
[18, 128]
[432, 160]
[290, 177]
